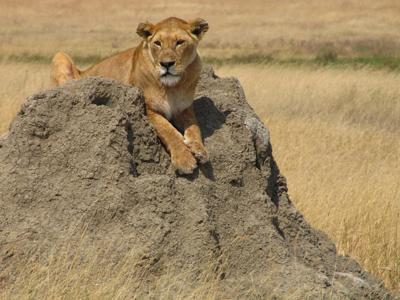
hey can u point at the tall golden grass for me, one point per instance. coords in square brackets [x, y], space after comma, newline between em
[18, 81]
[77, 270]
[335, 131]
[336, 137]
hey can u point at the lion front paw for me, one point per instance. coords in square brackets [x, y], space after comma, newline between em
[183, 161]
[198, 151]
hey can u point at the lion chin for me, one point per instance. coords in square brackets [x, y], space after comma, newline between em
[170, 80]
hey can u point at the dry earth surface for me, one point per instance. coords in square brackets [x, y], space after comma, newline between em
[83, 171]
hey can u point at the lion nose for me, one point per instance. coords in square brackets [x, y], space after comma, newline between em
[167, 64]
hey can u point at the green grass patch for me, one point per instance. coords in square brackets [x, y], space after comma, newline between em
[324, 59]
[46, 59]
[379, 62]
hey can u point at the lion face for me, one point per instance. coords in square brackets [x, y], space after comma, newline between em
[172, 46]
[172, 53]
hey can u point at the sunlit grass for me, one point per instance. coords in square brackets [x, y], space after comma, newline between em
[281, 29]
[17, 81]
[336, 137]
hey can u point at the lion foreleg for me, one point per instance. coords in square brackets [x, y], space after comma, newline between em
[181, 157]
[192, 134]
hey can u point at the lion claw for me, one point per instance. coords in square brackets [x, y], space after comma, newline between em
[202, 157]
[198, 150]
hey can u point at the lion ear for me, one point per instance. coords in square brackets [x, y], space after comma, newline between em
[145, 30]
[199, 27]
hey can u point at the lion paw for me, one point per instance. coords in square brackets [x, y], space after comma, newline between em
[183, 161]
[198, 150]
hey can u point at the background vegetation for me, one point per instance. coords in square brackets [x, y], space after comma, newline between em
[323, 75]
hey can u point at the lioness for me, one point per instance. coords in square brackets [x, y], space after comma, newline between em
[166, 66]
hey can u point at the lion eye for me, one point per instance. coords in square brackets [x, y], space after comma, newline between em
[157, 43]
[179, 42]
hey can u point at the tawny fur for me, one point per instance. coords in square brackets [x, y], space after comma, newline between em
[168, 91]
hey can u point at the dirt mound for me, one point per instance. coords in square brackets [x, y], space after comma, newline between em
[84, 157]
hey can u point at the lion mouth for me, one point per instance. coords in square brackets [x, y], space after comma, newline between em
[165, 73]
[168, 74]
[169, 79]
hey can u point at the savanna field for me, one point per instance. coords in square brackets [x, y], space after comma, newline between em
[324, 77]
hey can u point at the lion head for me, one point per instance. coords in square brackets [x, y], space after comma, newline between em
[172, 46]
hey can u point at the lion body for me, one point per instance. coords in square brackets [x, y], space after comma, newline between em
[166, 66]
[118, 67]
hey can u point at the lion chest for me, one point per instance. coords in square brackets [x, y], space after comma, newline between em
[171, 104]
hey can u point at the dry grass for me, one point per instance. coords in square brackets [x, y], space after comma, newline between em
[336, 137]
[279, 28]
[335, 132]
[17, 81]
[78, 270]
